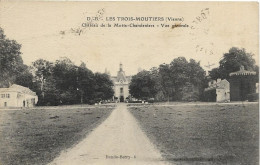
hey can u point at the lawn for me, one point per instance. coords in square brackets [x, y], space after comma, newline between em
[37, 136]
[202, 134]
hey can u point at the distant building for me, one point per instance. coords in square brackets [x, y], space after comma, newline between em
[17, 96]
[121, 85]
[218, 91]
[242, 83]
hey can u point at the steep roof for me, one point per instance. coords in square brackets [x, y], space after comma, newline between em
[121, 76]
[18, 88]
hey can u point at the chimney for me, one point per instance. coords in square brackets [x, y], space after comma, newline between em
[218, 80]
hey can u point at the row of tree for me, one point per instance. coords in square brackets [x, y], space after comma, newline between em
[180, 80]
[185, 81]
[63, 82]
[56, 83]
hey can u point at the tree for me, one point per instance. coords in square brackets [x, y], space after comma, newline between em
[155, 76]
[65, 78]
[186, 76]
[232, 61]
[142, 86]
[215, 73]
[196, 73]
[179, 73]
[103, 87]
[179, 80]
[86, 83]
[25, 79]
[166, 80]
[66, 83]
[42, 69]
[52, 95]
[197, 81]
[11, 63]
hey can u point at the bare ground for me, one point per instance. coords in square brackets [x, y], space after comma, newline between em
[204, 133]
[37, 136]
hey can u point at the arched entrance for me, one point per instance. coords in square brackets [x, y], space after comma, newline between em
[121, 98]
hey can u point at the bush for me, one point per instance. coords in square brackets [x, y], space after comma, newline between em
[91, 102]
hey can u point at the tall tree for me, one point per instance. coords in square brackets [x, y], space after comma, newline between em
[180, 75]
[187, 78]
[179, 80]
[11, 63]
[42, 70]
[43, 81]
[25, 79]
[155, 76]
[142, 85]
[65, 78]
[86, 83]
[166, 81]
[103, 87]
[232, 61]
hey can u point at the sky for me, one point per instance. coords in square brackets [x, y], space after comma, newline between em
[44, 31]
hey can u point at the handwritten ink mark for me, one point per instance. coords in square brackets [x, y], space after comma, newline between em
[198, 19]
[81, 30]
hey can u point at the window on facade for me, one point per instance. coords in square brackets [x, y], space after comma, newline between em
[121, 90]
[2, 95]
[8, 95]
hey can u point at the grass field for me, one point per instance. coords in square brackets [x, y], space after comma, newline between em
[37, 136]
[203, 134]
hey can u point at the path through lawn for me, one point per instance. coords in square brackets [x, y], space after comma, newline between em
[117, 141]
[38, 135]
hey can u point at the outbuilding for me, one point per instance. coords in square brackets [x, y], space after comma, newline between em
[242, 84]
[218, 91]
[17, 96]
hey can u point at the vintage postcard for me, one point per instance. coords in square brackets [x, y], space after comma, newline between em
[129, 83]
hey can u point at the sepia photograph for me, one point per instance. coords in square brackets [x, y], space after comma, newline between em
[129, 83]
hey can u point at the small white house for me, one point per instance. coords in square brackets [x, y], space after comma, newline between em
[17, 96]
[218, 91]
